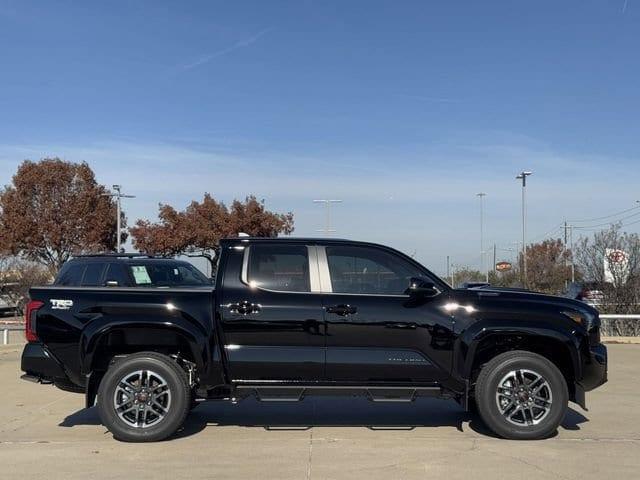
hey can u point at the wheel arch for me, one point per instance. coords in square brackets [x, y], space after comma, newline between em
[554, 345]
[99, 347]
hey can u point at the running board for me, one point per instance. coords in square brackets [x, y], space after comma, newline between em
[282, 393]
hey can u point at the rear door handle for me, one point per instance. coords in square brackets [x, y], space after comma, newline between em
[244, 307]
[343, 310]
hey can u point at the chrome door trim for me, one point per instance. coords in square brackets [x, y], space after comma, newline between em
[323, 269]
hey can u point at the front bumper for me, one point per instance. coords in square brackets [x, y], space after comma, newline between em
[40, 365]
[594, 373]
[594, 370]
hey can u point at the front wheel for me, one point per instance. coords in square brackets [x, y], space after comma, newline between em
[521, 396]
[144, 397]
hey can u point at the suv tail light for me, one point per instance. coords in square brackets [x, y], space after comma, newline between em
[30, 320]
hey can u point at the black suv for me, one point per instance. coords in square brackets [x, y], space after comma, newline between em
[129, 270]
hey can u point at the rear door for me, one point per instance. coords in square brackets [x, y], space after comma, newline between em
[375, 331]
[271, 313]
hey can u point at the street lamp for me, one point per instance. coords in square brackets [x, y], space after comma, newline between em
[327, 229]
[118, 196]
[523, 176]
[481, 196]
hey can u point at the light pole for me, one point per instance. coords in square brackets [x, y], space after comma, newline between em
[118, 196]
[523, 176]
[327, 229]
[481, 196]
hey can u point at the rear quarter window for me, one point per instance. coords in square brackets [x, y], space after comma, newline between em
[71, 275]
[93, 274]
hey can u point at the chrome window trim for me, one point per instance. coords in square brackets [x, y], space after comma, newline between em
[323, 270]
[314, 270]
[245, 266]
[319, 276]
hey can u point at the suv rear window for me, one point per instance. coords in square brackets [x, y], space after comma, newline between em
[166, 274]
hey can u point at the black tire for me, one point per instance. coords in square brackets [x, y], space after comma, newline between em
[161, 425]
[516, 412]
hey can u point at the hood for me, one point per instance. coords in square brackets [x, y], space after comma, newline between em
[522, 297]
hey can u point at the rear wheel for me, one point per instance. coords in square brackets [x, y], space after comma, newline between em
[144, 397]
[521, 395]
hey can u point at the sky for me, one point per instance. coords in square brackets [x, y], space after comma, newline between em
[404, 110]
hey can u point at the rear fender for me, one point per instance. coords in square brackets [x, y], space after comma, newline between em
[125, 335]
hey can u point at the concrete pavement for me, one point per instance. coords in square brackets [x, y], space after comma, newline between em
[45, 433]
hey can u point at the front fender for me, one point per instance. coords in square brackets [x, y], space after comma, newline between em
[468, 341]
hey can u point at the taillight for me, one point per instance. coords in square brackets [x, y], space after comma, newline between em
[30, 320]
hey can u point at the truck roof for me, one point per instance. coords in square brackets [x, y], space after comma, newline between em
[232, 240]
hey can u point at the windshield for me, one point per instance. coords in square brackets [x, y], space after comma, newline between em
[167, 274]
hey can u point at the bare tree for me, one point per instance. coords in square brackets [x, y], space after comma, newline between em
[17, 276]
[621, 287]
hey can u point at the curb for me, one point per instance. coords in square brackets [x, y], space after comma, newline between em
[622, 340]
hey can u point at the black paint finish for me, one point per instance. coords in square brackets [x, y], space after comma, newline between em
[237, 334]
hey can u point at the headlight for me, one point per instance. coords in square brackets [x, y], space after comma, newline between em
[577, 317]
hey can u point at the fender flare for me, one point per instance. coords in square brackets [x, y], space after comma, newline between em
[468, 342]
[93, 333]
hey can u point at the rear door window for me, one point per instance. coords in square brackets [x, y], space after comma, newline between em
[281, 268]
[116, 273]
[140, 275]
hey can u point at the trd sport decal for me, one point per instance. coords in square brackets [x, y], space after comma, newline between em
[61, 304]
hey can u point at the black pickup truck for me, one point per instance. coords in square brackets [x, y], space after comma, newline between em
[291, 317]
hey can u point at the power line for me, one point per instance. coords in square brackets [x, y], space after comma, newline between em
[553, 230]
[585, 220]
[609, 223]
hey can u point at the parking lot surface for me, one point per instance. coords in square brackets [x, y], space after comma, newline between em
[45, 433]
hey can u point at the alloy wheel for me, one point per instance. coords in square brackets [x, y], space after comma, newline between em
[524, 397]
[142, 398]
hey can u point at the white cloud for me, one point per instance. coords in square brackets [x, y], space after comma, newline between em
[421, 198]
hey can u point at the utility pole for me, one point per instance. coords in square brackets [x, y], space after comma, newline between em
[448, 269]
[481, 196]
[327, 228]
[523, 176]
[494, 258]
[573, 268]
[118, 196]
[569, 228]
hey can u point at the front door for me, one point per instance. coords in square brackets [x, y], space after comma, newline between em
[273, 327]
[376, 332]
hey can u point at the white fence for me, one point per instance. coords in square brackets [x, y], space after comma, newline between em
[620, 325]
[12, 334]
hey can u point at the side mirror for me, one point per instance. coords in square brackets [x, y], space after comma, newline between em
[422, 288]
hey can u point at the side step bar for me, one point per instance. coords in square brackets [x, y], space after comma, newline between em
[282, 393]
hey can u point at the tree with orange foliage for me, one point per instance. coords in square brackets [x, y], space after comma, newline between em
[54, 209]
[202, 224]
[548, 266]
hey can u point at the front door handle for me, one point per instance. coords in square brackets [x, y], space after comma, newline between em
[244, 307]
[342, 310]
